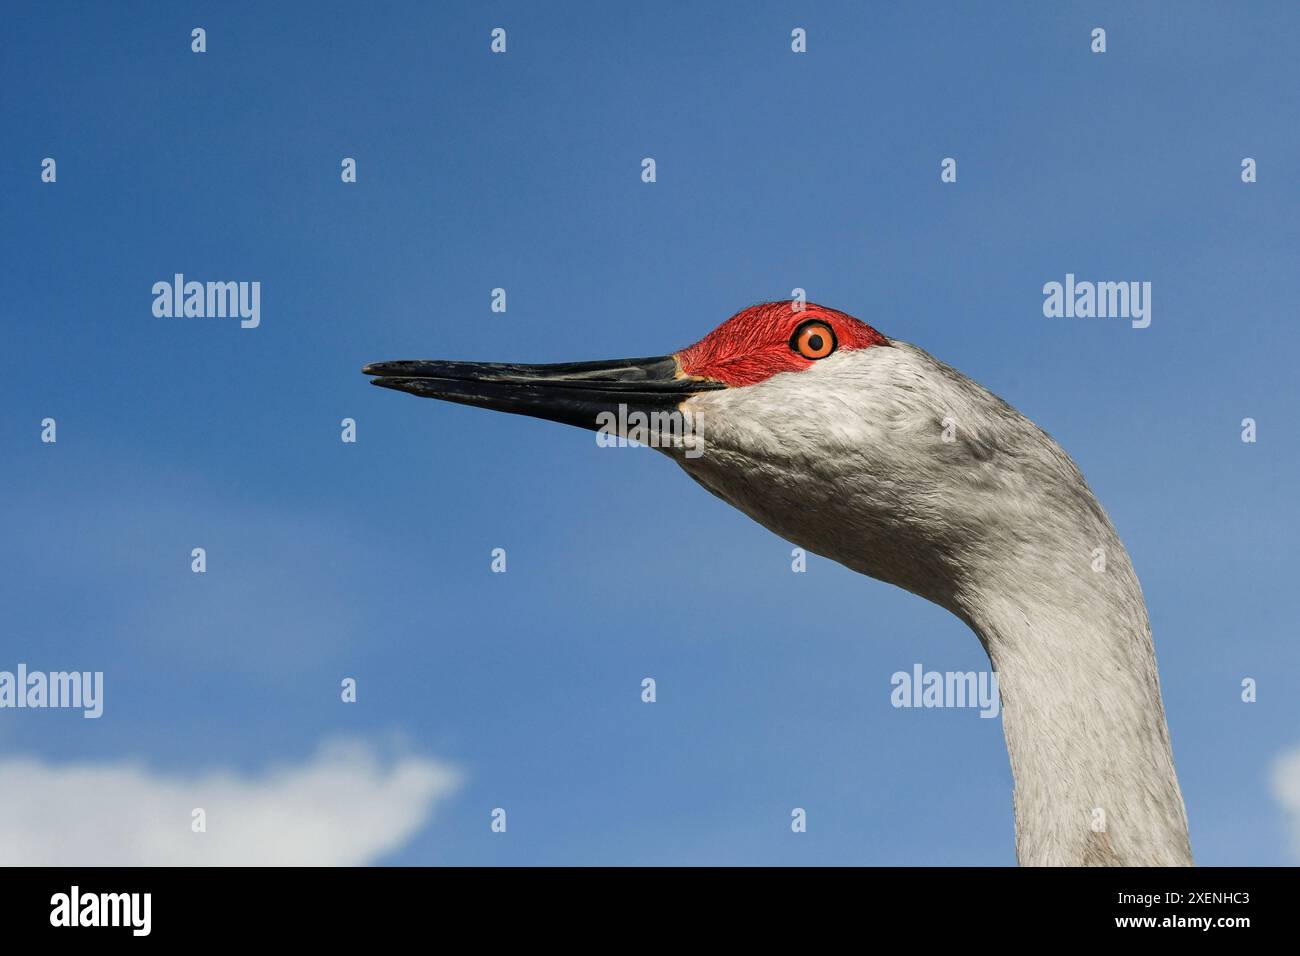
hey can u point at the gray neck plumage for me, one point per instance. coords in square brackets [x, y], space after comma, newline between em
[1084, 724]
[930, 482]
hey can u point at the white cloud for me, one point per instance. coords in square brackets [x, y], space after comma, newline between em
[1286, 790]
[347, 805]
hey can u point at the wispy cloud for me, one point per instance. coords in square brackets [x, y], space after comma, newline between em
[1286, 790]
[347, 805]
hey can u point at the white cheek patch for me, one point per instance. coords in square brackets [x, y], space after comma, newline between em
[833, 398]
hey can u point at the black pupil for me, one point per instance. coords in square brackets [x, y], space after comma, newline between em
[815, 342]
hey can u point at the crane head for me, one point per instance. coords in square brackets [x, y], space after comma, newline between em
[746, 350]
[852, 445]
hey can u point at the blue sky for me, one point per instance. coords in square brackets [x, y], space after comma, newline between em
[522, 170]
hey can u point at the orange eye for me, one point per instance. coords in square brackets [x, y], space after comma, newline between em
[813, 340]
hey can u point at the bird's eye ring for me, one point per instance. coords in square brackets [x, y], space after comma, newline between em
[813, 339]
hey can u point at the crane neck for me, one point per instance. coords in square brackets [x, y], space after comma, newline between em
[1082, 715]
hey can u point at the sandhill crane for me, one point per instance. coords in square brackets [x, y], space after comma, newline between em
[833, 436]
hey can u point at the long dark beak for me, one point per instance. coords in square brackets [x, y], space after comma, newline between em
[574, 393]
